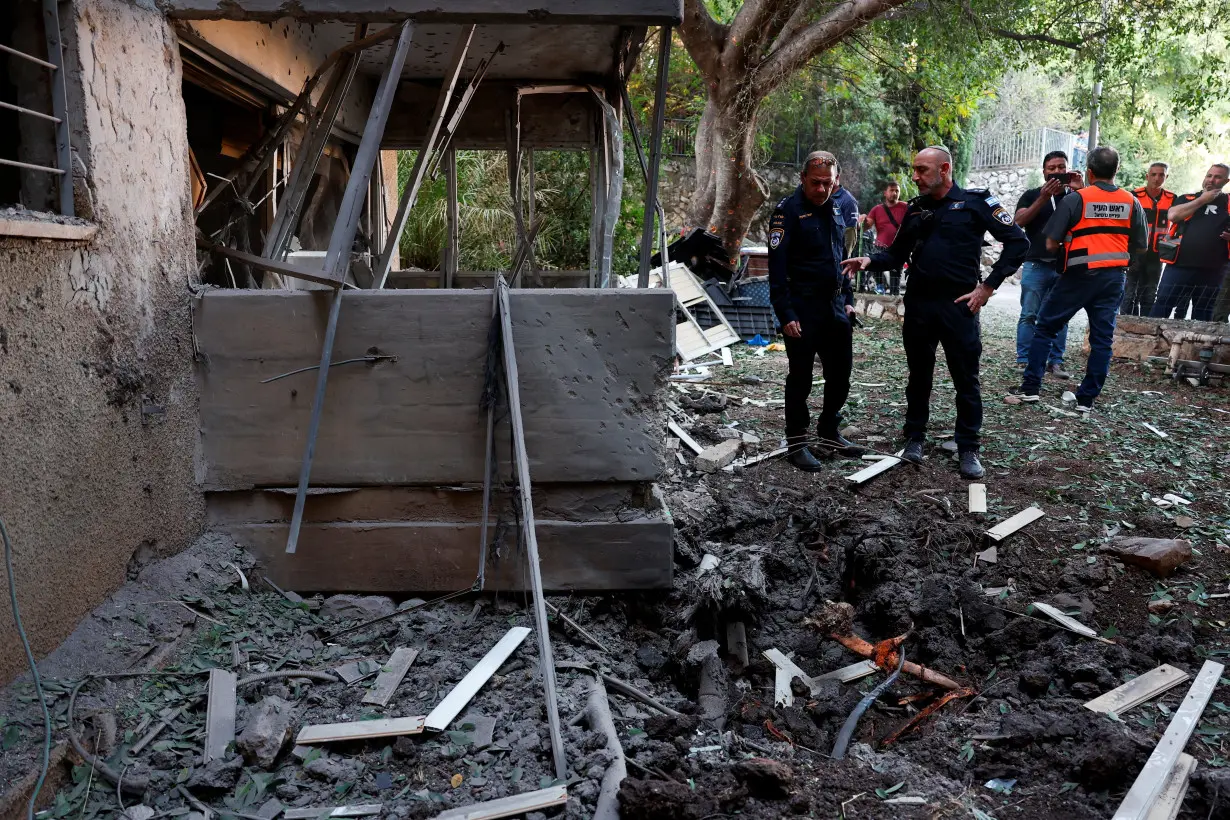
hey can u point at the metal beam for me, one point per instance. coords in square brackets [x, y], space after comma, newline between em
[655, 155]
[546, 662]
[529, 203]
[411, 193]
[644, 163]
[308, 157]
[337, 258]
[59, 105]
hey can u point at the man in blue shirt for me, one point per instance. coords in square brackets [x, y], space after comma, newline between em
[942, 238]
[813, 303]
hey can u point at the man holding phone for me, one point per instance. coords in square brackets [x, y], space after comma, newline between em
[813, 302]
[885, 219]
[1041, 269]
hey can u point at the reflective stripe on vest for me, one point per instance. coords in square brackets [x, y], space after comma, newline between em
[1099, 239]
[1155, 212]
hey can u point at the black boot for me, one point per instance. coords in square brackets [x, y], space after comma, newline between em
[800, 456]
[971, 467]
[837, 444]
[913, 452]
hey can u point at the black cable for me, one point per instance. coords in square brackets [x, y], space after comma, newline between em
[847, 731]
[38, 684]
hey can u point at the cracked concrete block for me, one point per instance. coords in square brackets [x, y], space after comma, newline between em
[718, 456]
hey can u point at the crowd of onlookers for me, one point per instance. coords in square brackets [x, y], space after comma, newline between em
[1184, 272]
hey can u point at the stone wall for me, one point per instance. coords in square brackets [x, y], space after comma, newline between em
[678, 186]
[1137, 338]
[1005, 183]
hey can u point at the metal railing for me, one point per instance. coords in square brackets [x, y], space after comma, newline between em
[59, 106]
[1023, 148]
[679, 140]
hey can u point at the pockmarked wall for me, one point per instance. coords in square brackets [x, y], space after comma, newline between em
[98, 407]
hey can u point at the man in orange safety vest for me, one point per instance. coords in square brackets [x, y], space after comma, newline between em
[1100, 228]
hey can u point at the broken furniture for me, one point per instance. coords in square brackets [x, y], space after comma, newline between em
[692, 340]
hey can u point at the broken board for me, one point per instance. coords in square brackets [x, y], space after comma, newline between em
[390, 676]
[1005, 528]
[362, 810]
[851, 673]
[509, 806]
[882, 466]
[1170, 801]
[463, 692]
[1152, 779]
[977, 498]
[359, 730]
[219, 714]
[1070, 624]
[1138, 690]
[691, 340]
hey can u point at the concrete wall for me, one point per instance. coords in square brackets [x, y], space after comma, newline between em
[97, 400]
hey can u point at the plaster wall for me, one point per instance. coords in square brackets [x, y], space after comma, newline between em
[97, 400]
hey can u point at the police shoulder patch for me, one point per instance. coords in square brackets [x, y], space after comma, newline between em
[1002, 215]
[775, 237]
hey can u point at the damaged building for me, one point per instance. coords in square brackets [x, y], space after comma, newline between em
[200, 214]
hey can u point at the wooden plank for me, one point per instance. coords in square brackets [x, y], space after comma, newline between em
[977, 498]
[683, 436]
[509, 806]
[1068, 623]
[1152, 779]
[390, 676]
[376, 556]
[359, 730]
[787, 671]
[1005, 528]
[851, 673]
[1170, 801]
[284, 268]
[748, 462]
[591, 364]
[591, 12]
[463, 692]
[783, 693]
[1138, 690]
[219, 714]
[1154, 430]
[36, 229]
[361, 810]
[871, 471]
[546, 662]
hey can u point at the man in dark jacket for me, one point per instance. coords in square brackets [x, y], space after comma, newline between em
[941, 238]
[813, 303]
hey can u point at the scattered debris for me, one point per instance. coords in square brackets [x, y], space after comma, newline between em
[1138, 690]
[363, 810]
[765, 778]
[836, 620]
[1161, 556]
[265, 733]
[1152, 779]
[990, 555]
[683, 436]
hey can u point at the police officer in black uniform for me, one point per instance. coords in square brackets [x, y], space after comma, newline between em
[942, 239]
[813, 302]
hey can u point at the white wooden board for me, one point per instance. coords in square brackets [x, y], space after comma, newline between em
[1005, 528]
[1152, 779]
[870, 472]
[463, 692]
[390, 676]
[1138, 690]
[219, 714]
[359, 730]
[977, 498]
[363, 810]
[1068, 623]
[1170, 801]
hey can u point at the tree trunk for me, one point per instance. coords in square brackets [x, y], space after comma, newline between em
[728, 191]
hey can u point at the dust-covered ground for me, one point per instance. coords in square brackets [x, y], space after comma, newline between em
[899, 551]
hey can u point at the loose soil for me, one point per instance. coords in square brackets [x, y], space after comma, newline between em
[900, 550]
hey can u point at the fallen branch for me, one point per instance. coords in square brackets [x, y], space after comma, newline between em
[836, 621]
[625, 689]
[931, 709]
[598, 715]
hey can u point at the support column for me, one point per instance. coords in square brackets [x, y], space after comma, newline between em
[452, 248]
